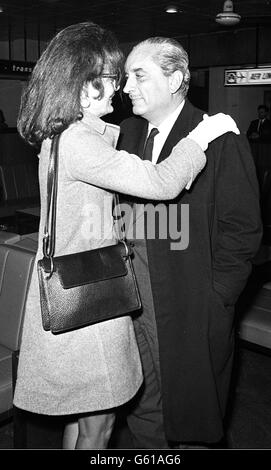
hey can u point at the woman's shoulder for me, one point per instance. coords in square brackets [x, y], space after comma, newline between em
[83, 134]
[77, 135]
[77, 127]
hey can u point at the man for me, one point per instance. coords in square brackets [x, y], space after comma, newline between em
[3, 124]
[260, 129]
[188, 289]
[259, 136]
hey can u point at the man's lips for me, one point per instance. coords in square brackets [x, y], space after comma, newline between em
[135, 98]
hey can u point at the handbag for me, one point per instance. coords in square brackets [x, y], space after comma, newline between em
[88, 287]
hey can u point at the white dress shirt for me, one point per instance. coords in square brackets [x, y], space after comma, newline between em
[164, 130]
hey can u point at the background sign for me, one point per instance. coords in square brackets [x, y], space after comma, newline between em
[15, 67]
[260, 76]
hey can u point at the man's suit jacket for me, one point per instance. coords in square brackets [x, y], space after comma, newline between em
[195, 289]
[264, 130]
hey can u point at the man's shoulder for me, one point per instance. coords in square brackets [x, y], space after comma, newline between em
[229, 146]
[192, 114]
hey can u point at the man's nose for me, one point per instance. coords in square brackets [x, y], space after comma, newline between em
[128, 85]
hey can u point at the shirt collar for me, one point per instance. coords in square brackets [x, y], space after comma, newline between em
[169, 121]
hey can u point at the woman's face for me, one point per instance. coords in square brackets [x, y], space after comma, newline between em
[99, 107]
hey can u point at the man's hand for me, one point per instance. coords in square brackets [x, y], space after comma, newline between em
[254, 135]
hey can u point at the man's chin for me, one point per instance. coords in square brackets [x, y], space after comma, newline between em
[137, 110]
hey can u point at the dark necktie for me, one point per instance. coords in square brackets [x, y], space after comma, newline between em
[147, 154]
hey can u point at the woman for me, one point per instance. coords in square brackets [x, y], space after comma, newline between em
[87, 373]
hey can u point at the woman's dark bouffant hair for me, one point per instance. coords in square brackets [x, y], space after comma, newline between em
[75, 56]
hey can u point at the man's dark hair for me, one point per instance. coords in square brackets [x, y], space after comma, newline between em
[263, 106]
[170, 55]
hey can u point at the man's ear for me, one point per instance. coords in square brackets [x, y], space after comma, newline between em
[175, 81]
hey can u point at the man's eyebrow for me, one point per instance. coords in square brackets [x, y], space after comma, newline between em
[137, 69]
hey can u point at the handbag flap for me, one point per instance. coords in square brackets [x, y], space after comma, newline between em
[89, 266]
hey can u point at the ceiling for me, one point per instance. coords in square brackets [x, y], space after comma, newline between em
[131, 20]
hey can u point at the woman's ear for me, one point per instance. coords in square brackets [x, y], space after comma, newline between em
[84, 98]
[175, 81]
[88, 95]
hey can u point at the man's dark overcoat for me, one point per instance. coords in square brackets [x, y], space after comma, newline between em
[195, 289]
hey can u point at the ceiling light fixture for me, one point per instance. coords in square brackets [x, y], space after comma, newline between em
[228, 17]
[172, 9]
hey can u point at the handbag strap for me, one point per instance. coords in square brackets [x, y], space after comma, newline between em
[50, 221]
[49, 235]
[119, 218]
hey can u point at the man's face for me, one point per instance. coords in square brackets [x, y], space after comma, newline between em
[262, 113]
[147, 86]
